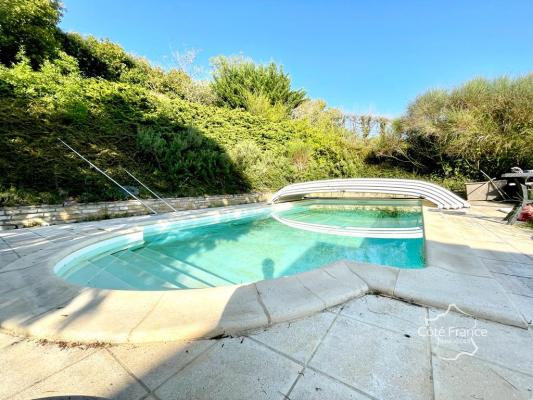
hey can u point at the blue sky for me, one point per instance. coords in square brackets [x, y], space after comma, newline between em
[361, 56]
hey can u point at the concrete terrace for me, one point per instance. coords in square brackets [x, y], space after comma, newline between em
[368, 347]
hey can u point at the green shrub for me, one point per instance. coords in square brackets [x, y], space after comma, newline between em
[186, 155]
[171, 132]
[317, 113]
[176, 146]
[260, 105]
[482, 125]
[240, 83]
[300, 154]
[29, 26]
[98, 58]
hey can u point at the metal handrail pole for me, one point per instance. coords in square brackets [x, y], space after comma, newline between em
[150, 190]
[108, 177]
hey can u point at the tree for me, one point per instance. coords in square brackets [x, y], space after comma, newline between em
[29, 26]
[367, 123]
[237, 80]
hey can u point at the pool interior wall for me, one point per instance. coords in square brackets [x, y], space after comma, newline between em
[246, 246]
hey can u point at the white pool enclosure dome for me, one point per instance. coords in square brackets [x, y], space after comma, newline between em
[441, 197]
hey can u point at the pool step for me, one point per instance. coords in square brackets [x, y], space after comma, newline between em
[113, 268]
[204, 277]
[171, 275]
[230, 275]
[90, 274]
[108, 280]
[167, 258]
[82, 273]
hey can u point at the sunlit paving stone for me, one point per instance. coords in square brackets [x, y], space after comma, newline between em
[472, 378]
[296, 339]
[233, 368]
[374, 360]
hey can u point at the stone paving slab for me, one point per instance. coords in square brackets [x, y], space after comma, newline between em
[98, 374]
[297, 339]
[13, 280]
[509, 268]
[316, 386]
[455, 258]
[286, 298]
[7, 257]
[154, 363]
[350, 359]
[7, 340]
[210, 312]
[19, 236]
[26, 363]
[378, 362]
[26, 242]
[525, 305]
[25, 262]
[233, 369]
[18, 307]
[524, 247]
[470, 378]
[516, 284]
[480, 296]
[81, 320]
[470, 230]
[498, 251]
[501, 344]
[333, 283]
[380, 280]
[388, 313]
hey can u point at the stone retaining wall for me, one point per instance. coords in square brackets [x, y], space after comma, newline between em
[18, 217]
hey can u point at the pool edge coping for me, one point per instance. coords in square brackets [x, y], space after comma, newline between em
[84, 314]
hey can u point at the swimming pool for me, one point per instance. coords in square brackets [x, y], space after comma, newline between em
[264, 243]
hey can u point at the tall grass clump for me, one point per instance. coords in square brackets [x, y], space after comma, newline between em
[481, 125]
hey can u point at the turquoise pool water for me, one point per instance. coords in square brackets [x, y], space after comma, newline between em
[251, 247]
[357, 213]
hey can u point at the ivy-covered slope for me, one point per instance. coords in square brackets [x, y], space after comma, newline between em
[176, 146]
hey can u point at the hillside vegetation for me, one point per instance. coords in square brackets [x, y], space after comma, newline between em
[481, 125]
[177, 146]
[247, 129]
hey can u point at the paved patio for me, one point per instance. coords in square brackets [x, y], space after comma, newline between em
[372, 347]
[368, 348]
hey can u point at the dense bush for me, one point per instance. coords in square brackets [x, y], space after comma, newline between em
[240, 83]
[29, 26]
[482, 125]
[317, 113]
[178, 147]
[107, 60]
[98, 58]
